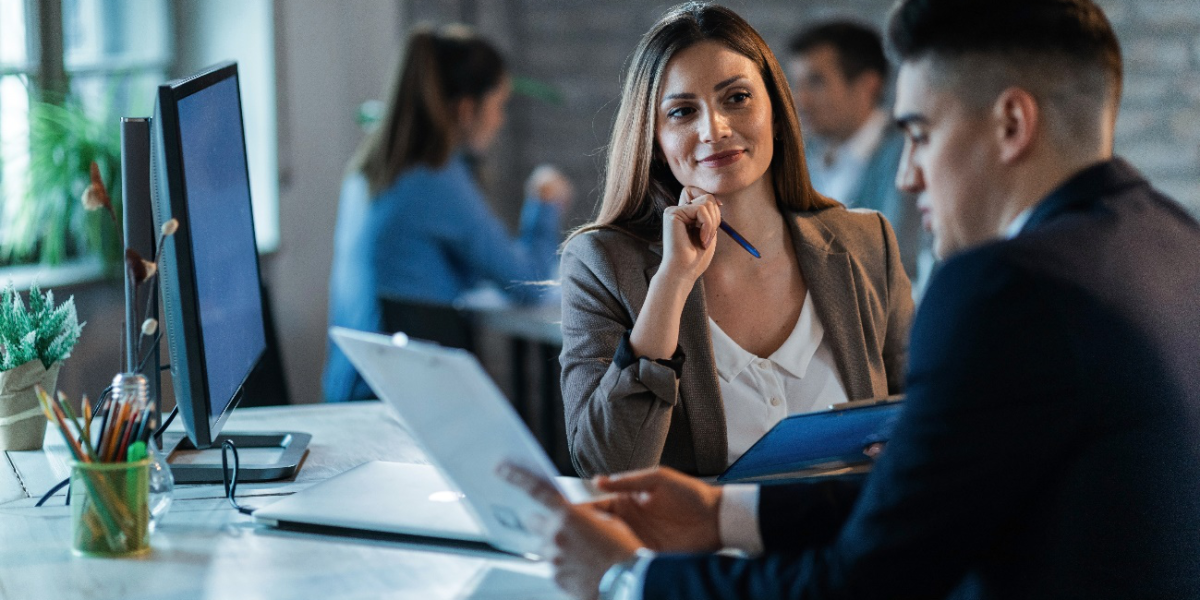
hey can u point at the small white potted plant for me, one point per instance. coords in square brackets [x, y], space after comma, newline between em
[33, 344]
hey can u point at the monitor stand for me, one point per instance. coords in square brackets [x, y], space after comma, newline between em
[263, 456]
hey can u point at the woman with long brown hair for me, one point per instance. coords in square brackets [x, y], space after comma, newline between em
[413, 225]
[680, 346]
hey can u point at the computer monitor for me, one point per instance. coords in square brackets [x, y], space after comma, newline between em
[208, 270]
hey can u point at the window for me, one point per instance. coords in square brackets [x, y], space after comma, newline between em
[104, 57]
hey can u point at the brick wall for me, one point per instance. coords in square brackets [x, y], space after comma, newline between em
[582, 48]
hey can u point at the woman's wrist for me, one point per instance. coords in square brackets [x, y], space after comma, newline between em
[655, 335]
[677, 285]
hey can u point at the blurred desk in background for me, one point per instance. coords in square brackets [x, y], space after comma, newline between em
[534, 340]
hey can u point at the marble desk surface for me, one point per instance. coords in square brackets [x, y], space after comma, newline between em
[203, 549]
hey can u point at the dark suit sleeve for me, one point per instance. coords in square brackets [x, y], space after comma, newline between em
[804, 515]
[987, 416]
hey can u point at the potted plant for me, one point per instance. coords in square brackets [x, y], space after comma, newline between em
[33, 344]
[67, 147]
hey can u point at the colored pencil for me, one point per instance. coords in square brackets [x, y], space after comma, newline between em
[122, 416]
[123, 443]
[87, 411]
[142, 434]
[65, 415]
[149, 431]
[81, 433]
[48, 405]
[106, 408]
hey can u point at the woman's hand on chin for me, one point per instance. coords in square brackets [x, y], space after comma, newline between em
[690, 235]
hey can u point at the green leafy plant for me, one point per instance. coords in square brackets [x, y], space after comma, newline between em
[44, 331]
[50, 226]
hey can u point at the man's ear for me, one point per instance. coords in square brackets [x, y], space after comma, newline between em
[1018, 120]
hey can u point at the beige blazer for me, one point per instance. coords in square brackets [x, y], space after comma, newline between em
[644, 415]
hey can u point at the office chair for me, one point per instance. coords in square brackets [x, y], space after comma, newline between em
[438, 323]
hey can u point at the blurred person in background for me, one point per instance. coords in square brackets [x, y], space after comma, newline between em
[839, 73]
[413, 225]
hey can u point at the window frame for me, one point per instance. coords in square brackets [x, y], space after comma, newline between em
[48, 79]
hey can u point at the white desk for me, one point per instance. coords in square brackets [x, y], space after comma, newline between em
[204, 549]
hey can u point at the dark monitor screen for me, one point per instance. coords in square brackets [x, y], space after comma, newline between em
[223, 247]
[210, 276]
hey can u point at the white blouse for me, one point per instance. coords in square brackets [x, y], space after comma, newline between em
[801, 376]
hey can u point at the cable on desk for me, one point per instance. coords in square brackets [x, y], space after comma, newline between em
[60, 485]
[229, 476]
[158, 433]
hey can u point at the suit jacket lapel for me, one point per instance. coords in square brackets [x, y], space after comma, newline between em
[830, 279]
[698, 382]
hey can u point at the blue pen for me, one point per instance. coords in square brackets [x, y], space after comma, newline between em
[737, 237]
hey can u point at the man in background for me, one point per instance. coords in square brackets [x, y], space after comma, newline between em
[839, 72]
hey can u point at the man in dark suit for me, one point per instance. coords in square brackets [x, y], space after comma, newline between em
[1050, 443]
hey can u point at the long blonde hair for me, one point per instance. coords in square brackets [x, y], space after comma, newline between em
[637, 186]
[438, 68]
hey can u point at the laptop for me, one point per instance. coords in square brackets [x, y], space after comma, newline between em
[467, 427]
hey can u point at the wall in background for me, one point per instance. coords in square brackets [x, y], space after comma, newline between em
[213, 31]
[583, 48]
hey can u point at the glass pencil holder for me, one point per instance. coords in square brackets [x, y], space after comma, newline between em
[110, 508]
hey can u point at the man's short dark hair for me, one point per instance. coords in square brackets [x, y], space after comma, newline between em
[1064, 52]
[859, 47]
[1074, 30]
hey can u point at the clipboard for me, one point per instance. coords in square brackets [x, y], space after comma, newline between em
[819, 444]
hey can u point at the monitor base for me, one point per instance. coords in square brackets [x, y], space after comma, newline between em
[188, 465]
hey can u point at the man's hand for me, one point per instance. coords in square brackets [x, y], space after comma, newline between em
[669, 511]
[582, 542]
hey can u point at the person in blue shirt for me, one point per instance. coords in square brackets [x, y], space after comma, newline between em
[413, 224]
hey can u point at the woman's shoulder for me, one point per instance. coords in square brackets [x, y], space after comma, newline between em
[615, 243]
[857, 229]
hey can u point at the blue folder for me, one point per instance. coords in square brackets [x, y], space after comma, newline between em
[820, 444]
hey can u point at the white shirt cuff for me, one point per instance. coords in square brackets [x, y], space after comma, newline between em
[737, 524]
[737, 518]
[638, 572]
